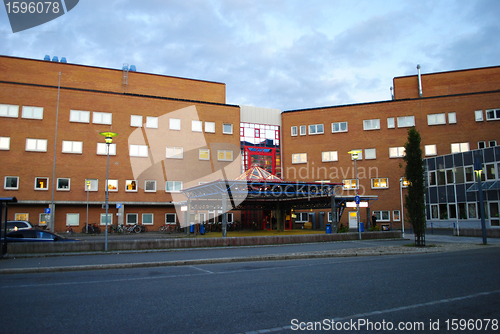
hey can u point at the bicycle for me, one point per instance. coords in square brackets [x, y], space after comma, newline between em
[69, 230]
[91, 229]
[167, 228]
[135, 228]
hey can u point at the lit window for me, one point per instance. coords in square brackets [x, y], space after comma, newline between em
[452, 118]
[131, 185]
[11, 183]
[390, 123]
[63, 184]
[329, 156]
[32, 112]
[138, 151]
[294, 131]
[396, 215]
[339, 127]
[75, 147]
[430, 150]
[303, 129]
[173, 186]
[79, 116]
[7, 110]
[478, 114]
[406, 121]
[41, 183]
[459, 147]
[204, 154]
[350, 184]
[315, 129]
[36, 145]
[371, 124]
[370, 154]
[5, 143]
[112, 185]
[101, 118]
[174, 124]
[147, 219]
[299, 158]
[210, 127]
[227, 129]
[197, 126]
[136, 121]
[91, 184]
[396, 152]
[152, 122]
[174, 153]
[224, 155]
[378, 183]
[436, 119]
[102, 149]
[150, 186]
[493, 114]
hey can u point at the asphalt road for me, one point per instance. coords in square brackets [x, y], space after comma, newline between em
[415, 290]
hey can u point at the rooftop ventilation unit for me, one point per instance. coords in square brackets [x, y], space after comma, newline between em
[63, 60]
[132, 68]
[47, 58]
[55, 58]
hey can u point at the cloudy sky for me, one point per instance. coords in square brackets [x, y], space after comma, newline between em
[284, 54]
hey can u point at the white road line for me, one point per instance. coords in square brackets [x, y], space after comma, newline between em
[204, 270]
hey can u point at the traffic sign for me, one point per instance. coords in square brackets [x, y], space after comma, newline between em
[47, 210]
[356, 199]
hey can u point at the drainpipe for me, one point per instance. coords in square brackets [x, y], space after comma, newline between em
[419, 82]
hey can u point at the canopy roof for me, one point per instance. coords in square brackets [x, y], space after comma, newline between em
[256, 173]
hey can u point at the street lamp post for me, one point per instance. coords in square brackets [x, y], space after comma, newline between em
[355, 156]
[402, 183]
[478, 168]
[109, 139]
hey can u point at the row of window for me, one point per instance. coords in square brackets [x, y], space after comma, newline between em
[83, 116]
[465, 211]
[64, 184]
[460, 175]
[381, 215]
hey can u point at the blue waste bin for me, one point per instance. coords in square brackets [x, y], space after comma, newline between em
[328, 228]
[202, 229]
[191, 228]
[361, 227]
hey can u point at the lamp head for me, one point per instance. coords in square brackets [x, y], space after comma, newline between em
[108, 136]
[354, 154]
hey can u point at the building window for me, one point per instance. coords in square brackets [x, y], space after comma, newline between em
[113, 185]
[329, 156]
[63, 184]
[170, 218]
[227, 129]
[436, 119]
[469, 174]
[210, 127]
[481, 144]
[396, 215]
[224, 155]
[138, 151]
[452, 118]
[79, 116]
[174, 153]
[5, 143]
[371, 124]
[302, 217]
[75, 147]
[382, 215]
[136, 121]
[299, 158]
[197, 126]
[11, 183]
[174, 124]
[315, 129]
[303, 129]
[152, 122]
[492, 143]
[432, 178]
[102, 118]
[36, 145]
[472, 210]
[380, 183]
[459, 147]
[147, 219]
[204, 154]
[173, 186]
[41, 183]
[103, 219]
[478, 114]
[370, 154]
[434, 211]
[430, 150]
[72, 219]
[91, 184]
[131, 185]
[491, 172]
[493, 114]
[294, 131]
[132, 218]
[150, 186]
[390, 123]
[32, 112]
[339, 127]
[350, 184]
[406, 121]
[102, 149]
[7, 110]
[396, 152]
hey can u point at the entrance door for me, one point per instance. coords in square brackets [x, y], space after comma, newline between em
[353, 220]
[494, 217]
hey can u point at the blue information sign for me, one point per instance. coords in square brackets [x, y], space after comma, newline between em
[356, 199]
[47, 210]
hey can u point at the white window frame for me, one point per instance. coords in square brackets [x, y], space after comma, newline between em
[59, 186]
[169, 221]
[174, 152]
[396, 152]
[103, 219]
[350, 184]
[40, 145]
[136, 121]
[225, 153]
[196, 126]
[102, 149]
[460, 147]
[492, 143]
[303, 130]
[227, 131]
[380, 214]
[9, 110]
[4, 143]
[136, 215]
[204, 150]
[370, 153]
[481, 144]
[174, 124]
[94, 185]
[152, 218]
[495, 112]
[146, 188]
[32, 112]
[140, 151]
[79, 116]
[316, 129]
[452, 118]
[209, 127]
[329, 156]
[11, 188]
[299, 158]
[371, 124]
[294, 131]
[46, 187]
[72, 147]
[430, 150]
[373, 180]
[176, 186]
[131, 183]
[436, 119]
[339, 126]
[114, 185]
[479, 116]
[151, 122]
[406, 121]
[72, 219]
[390, 123]
[102, 118]
[360, 155]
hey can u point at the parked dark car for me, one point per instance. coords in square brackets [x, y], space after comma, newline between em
[15, 225]
[35, 235]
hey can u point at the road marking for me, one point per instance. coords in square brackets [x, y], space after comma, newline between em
[204, 270]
